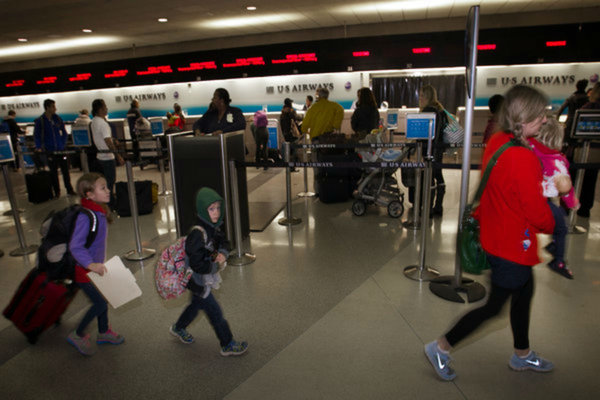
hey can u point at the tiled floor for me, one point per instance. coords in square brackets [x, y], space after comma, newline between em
[326, 309]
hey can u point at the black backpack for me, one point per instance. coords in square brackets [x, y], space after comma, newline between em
[54, 258]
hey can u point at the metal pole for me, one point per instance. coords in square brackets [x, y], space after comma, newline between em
[447, 287]
[139, 253]
[240, 258]
[161, 166]
[415, 224]
[84, 161]
[578, 185]
[421, 272]
[288, 220]
[24, 249]
[306, 193]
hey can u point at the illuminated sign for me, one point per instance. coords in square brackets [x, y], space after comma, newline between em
[296, 58]
[244, 62]
[47, 79]
[486, 47]
[161, 69]
[361, 54]
[14, 83]
[558, 43]
[421, 50]
[198, 66]
[118, 73]
[81, 77]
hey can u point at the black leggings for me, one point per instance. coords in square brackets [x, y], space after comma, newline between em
[520, 306]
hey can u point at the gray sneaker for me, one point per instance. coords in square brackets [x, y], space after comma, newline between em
[82, 344]
[532, 362]
[439, 361]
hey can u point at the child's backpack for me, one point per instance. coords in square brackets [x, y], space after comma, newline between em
[173, 271]
[56, 230]
[260, 119]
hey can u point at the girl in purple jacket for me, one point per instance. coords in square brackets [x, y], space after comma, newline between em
[557, 185]
[95, 196]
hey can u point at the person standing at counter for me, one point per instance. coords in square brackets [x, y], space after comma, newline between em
[308, 103]
[323, 116]
[51, 136]
[15, 130]
[107, 150]
[366, 115]
[133, 115]
[220, 116]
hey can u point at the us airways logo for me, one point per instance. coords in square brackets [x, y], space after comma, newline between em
[20, 106]
[539, 80]
[142, 97]
[305, 87]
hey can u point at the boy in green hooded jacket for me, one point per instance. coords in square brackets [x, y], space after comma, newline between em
[206, 248]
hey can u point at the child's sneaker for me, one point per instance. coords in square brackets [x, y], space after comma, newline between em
[234, 349]
[561, 268]
[439, 361]
[182, 334]
[81, 343]
[532, 362]
[109, 337]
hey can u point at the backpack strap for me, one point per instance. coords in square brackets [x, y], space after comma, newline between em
[93, 226]
[204, 234]
[490, 165]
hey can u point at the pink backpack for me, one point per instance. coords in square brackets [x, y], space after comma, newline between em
[172, 270]
[260, 119]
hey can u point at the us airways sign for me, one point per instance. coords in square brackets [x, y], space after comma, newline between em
[298, 88]
[539, 80]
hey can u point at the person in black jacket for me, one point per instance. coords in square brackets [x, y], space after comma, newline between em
[14, 130]
[207, 248]
[428, 102]
[366, 115]
[220, 117]
[573, 103]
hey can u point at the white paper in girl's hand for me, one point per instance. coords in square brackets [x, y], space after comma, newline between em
[117, 285]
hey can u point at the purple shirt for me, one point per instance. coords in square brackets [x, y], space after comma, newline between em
[97, 251]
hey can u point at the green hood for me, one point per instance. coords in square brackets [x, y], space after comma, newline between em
[204, 198]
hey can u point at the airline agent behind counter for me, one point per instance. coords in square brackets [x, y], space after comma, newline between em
[220, 116]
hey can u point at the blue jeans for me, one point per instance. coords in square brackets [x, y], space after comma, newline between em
[98, 309]
[109, 170]
[214, 314]
[560, 231]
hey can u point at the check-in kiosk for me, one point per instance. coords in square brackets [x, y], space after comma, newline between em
[80, 134]
[199, 161]
[273, 129]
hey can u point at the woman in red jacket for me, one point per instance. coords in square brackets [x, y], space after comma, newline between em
[511, 212]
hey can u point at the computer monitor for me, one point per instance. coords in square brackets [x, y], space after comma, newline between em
[587, 125]
[69, 128]
[6, 150]
[420, 125]
[156, 125]
[29, 130]
[81, 136]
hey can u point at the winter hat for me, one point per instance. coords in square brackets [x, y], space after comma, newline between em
[204, 198]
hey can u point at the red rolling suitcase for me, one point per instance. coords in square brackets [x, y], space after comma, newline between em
[38, 304]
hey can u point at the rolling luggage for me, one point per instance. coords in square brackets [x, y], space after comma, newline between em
[39, 186]
[143, 194]
[38, 303]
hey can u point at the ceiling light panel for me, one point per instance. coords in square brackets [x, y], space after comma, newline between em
[57, 45]
[251, 20]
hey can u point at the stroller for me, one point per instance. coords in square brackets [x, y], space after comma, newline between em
[379, 185]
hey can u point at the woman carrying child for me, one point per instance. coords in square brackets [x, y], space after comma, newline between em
[95, 196]
[207, 248]
[557, 184]
[512, 210]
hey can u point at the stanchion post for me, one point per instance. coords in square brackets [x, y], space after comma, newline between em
[415, 224]
[139, 253]
[578, 185]
[306, 193]
[24, 249]
[421, 272]
[161, 165]
[288, 220]
[239, 258]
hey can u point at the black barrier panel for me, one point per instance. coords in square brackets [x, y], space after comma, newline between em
[198, 162]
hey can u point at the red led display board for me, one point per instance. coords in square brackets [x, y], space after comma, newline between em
[244, 62]
[81, 77]
[421, 50]
[15, 83]
[296, 58]
[47, 80]
[118, 73]
[161, 69]
[361, 54]
[490, 46]
[557, 43]
[196, 66]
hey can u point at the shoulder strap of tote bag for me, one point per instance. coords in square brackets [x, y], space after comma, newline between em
[488, 169]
